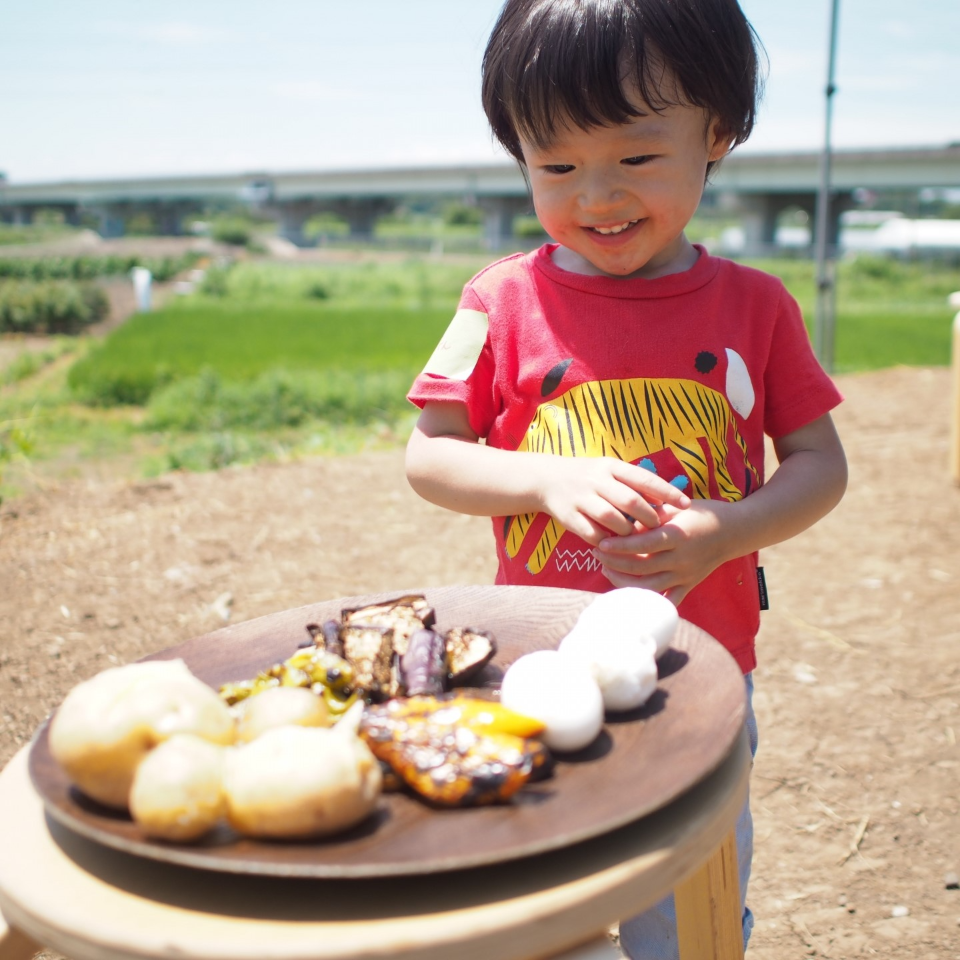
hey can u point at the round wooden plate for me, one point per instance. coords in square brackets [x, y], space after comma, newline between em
[641, 761]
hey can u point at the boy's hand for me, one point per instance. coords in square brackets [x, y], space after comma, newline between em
[593, 497]
[688, 545]
[672, 558]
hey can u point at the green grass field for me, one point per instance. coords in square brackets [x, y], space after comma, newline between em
[242, 340]
[277, 360]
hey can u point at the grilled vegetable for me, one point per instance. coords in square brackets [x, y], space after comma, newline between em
[369, 649]
[423, 668]
[446, 763]
[468, 652]
[375, 639]
[327, 675]
[404, 616]
[326, 636]
[486, 716]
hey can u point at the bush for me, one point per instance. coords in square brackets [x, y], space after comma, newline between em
[278, 399]
[528, 228]
[88, 268]
[214, 283]
[52, 306]
[15, 442]
[215, 451]
[141, 224]
[325, 224]
[462, 214]
[873, 267]
[237, 231]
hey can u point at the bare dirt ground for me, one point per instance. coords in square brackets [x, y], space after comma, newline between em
[855, 791]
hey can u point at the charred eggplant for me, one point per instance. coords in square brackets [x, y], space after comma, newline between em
[468, 652]
[423, 667]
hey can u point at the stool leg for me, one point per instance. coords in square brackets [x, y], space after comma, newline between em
[709, 924]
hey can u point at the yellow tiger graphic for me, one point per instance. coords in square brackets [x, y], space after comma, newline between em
[631, 419]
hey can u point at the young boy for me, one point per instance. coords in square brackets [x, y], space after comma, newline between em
[605, 398]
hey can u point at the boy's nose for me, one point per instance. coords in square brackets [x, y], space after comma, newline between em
[599, 193]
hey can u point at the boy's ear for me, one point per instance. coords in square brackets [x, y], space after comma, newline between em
[719, 141]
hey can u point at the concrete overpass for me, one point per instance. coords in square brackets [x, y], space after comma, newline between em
[757, 187]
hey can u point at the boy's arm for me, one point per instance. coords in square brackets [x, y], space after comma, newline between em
[687, 546]
[590, 496]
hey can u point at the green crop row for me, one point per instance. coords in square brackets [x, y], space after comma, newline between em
[51, 306]
[413, 283]
[90, 267]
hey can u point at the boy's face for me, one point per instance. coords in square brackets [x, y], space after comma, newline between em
[617, 199]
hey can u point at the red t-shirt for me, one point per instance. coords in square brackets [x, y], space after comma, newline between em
[682, 374]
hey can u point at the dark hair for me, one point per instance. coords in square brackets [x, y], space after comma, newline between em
[550, 62]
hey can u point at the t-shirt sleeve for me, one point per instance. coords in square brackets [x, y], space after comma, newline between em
[461, 368]
[798, 390]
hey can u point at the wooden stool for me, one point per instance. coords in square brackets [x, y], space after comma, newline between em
[90, 888]
[93, 903]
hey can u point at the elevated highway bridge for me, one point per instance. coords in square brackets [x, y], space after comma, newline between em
[756, 187]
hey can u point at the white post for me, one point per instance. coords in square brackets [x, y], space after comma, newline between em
[142, 279]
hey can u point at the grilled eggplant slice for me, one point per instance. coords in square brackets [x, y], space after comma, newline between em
[326, 636]
[369, 650]
[468, 652]
[423, 668]
[404, 615]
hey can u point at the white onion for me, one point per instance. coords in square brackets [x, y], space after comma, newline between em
[557, 692]
[631, 612]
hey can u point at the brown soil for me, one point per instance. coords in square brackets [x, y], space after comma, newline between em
[855, 790]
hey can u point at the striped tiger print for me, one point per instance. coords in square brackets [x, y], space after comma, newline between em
[631, 419]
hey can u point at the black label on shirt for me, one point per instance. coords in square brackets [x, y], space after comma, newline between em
[762, 589]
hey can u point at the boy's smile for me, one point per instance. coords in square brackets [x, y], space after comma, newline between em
[617, 198]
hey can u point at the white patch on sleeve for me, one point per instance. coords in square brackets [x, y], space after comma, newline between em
[739, 388]
[459, 349]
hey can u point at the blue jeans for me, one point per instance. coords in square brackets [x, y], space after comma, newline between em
[653, 935]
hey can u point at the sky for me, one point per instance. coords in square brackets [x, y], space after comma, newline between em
[95, 89]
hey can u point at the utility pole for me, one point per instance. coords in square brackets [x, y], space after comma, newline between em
[825, 251]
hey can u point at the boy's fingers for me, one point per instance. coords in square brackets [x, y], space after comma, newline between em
[652, 487]
[649, 541]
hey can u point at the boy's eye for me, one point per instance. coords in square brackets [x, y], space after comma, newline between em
[558, 167]
[637, 161]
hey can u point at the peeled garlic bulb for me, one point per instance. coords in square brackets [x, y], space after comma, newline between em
[177, 791]
[559, 693]
[107, 724]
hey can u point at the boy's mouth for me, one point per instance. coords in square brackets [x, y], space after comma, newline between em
[612, 231]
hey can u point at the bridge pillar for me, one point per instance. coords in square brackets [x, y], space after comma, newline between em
[361, 214]
[21, 216]
[760, 212]
[292, 217]
[498, 216]
[758, 220]
[170, 217]
[110, 219]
